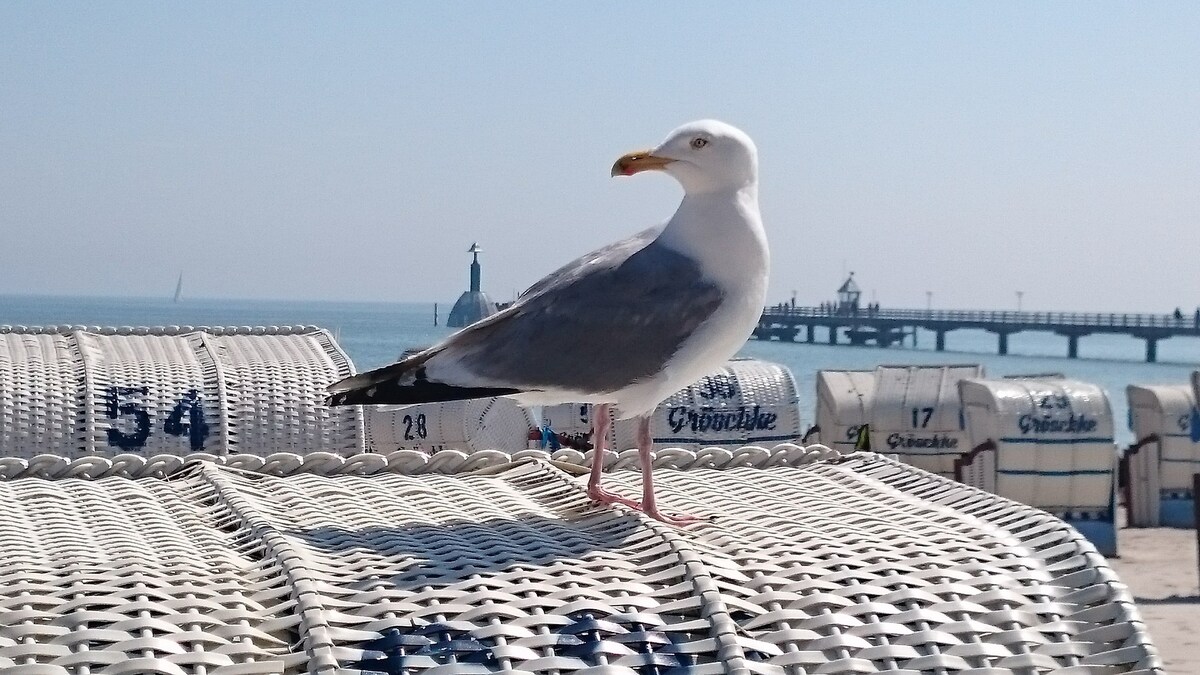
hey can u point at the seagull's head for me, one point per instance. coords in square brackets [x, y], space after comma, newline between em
[704, 156]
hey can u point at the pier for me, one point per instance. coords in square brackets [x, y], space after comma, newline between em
[885, 327]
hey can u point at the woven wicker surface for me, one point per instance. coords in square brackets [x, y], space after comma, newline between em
[402, 563]
[79, 391]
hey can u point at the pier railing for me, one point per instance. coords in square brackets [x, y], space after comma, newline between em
[1082, 319]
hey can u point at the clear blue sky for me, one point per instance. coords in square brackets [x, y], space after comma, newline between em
[355, 150]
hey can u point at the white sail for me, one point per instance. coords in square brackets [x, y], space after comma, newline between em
[179, 287]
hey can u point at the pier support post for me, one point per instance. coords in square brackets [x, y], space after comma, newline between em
[1003, 343]
[812, 333]
[1151, 349]
[833, 335]
[1072, 342]
[941, 340]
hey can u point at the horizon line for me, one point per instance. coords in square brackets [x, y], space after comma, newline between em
[359, 301]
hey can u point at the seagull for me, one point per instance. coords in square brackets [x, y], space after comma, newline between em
[624, 326]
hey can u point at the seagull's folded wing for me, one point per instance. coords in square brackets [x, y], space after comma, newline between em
[601, 323]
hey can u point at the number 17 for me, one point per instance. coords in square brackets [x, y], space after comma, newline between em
[916, 417]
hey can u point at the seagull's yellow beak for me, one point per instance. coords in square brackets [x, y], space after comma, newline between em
[641, 160]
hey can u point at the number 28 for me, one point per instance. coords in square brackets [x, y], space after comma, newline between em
[416, 425]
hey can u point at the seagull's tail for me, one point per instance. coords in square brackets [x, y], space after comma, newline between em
[403, 383]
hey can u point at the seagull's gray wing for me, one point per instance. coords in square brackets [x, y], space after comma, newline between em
[609, 319]
[602, 258]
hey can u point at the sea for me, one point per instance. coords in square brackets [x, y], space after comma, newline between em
[377, 333]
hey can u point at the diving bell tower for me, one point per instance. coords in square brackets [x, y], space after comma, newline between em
[473, 304]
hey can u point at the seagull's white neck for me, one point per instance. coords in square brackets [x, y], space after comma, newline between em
[723, 231]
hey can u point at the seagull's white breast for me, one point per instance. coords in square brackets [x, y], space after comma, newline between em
[723, 232]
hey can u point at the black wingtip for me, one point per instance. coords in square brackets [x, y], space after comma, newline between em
[421, 391]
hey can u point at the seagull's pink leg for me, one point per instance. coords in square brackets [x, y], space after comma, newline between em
[600, 422]
[649, 503]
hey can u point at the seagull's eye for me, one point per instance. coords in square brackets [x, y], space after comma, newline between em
[698, 143]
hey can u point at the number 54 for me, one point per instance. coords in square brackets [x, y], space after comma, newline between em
[126, 402]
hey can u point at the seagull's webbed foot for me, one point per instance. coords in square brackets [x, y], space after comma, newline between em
[648, 505]
[598, 493]
[678, 520]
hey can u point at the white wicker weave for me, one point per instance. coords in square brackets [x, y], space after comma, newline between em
[74, 391]
[328, 564]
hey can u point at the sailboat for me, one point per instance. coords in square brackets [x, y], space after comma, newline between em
[178, 288]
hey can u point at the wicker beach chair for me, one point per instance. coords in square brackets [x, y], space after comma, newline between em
[77, 391]
[1047, 443]
[746, 402]
[917, 415]
[472, 426]
[1164, 457]
[457, 563]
